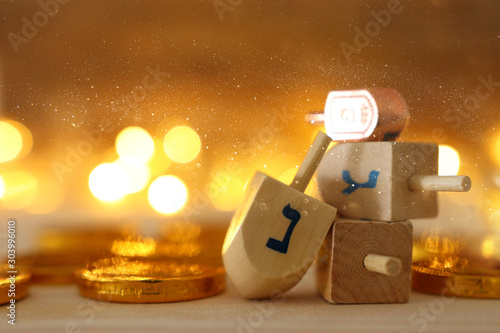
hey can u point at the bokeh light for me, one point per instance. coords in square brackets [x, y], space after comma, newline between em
[2, 186]
[50, 198]
[449, 161]
[137, 172]
[182, 144]
[225, 191]
[494, 220]
[20, 189]
[11, 142]
[135, 142]
[495, 149]
[160, 162]
[16, 140]
[109, 182]
[167, 194]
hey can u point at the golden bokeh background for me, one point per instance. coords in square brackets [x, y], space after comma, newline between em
[114, 106]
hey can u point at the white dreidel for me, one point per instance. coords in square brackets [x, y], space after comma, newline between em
[276, 233]
[375, 114]
[385, 181]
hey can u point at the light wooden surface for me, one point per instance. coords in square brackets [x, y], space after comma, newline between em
[390, 164]
[276, 233]
[341, 274]
[53, 309]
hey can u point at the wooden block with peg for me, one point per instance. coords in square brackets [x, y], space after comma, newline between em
[385, 181]
[365, 262]
[276, 233]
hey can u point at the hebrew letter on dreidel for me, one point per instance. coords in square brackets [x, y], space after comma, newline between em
[403, 181]
[282, 246]
[272, 239]
[371, 183]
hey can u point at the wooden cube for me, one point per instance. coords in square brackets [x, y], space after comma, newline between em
[273, 237]
[370, 180]
[342, 276]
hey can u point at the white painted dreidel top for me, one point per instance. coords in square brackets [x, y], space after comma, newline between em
[385, 181]
[277, 231]
[375, 114]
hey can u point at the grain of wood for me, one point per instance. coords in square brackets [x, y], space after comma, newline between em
[341, 274]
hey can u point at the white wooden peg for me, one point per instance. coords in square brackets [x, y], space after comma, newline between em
[440, 183]
[382, 264]
[311, 161]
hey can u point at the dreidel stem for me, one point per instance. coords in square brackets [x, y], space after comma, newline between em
[383, 264]
[440, 183]
[311, 161]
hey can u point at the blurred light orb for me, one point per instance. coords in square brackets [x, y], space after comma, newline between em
[495, 149]
[494, 220]
[109, 182]
[11, 142]
[167, 194]
[226, 192]
[182, 144]
[2, 186]
[449, 161]
[159, 163]
[21, 188]
[138, 173]
[50, 198]
[135, 142]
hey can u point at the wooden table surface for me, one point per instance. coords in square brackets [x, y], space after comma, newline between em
[61, 309]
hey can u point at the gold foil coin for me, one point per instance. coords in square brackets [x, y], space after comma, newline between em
[61, 252]
[477, 280]
[8, 289]
[128, 280]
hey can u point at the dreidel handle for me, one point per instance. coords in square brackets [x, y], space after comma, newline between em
[311, 161]
[386, 265]
[440, 183]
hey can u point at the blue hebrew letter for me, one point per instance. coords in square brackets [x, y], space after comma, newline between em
[353, 186]
[282, 246]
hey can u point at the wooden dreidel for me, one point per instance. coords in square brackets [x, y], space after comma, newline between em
[373, 114]
[276, 233]
[365, 262]
[384, 181]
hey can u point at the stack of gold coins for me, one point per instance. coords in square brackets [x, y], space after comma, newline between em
[127, 280]
[184, 264]
[180, 240]
[61, 252]
[449, 269]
